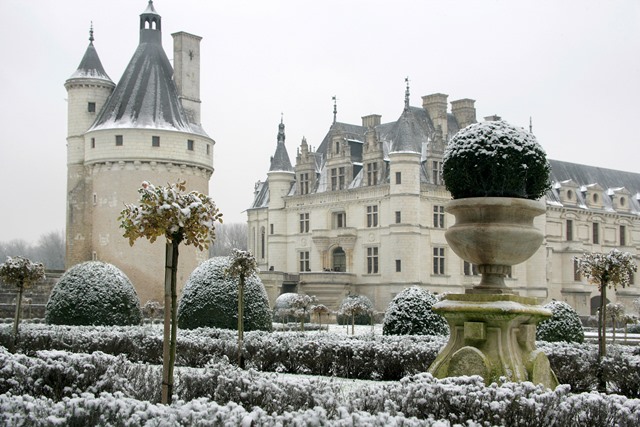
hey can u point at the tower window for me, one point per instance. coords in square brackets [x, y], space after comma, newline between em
[155, 141]
[398, 266]
[190, 144]
[208, 149]
[398, 217]
[119, 140]
[91, 107]
[93, 143]
[398, 178]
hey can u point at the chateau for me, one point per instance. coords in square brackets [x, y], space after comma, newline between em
[145, 128]
[363, 213]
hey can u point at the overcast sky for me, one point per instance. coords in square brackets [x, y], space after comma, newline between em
[573, 66]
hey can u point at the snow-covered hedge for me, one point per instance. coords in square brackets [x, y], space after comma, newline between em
[361, 305]
[563, 325]
[116, 393]
[409, 313]
[495, 159]
[365, 357]
[210, 299]
[93, 293]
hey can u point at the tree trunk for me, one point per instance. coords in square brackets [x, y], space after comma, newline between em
[602, 348]
[170, 319]
[16, 321]
[241, 321]
[353, 322]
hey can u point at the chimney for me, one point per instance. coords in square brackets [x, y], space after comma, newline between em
[186, 64]
[370, 121]
[436, 106]
[493, 118]
[464, 111]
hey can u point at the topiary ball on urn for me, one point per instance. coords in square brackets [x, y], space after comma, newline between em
[495, 173]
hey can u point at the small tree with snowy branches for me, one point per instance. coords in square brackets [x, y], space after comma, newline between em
[243, 264]
[23, 273]
[614, 312]
[180, 217]
[319, 310]
[353, 306]
[612, 269]
[301, 306]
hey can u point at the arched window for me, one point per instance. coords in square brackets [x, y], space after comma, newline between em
[339, 260]
[595, 304]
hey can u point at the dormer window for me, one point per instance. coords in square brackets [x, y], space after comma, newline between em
[595, 198]
[569, 195]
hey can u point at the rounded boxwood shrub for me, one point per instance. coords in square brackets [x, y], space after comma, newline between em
[409, 313]
[93, 293]
[563, 325]
[282, 307]
[495, 159]
[364, 317]
[210, 299]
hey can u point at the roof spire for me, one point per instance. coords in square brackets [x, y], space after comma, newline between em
[281, 135]
[406, 94]
[335, 107]
[91, 34]
[530, 125]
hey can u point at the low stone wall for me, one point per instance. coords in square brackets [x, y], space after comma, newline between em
[34, 298]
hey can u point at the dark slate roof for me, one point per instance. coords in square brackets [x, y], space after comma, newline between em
[91, 66]
[409, 131]
[280, 159]
[146, 95]
[585, 176]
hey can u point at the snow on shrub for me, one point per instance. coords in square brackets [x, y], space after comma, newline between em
[358, 305]
[409, 313]
[93, 293]
[563, 325]
[498, 160]
[282, 308]
[210, 299]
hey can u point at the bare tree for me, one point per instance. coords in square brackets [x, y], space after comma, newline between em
[50, 250]
[229, 237]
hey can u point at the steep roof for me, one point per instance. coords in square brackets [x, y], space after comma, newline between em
[146, 95]
[585, 176]
[91, 66]
[280, 160]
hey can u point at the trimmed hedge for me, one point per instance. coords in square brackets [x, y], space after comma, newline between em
[409, 313]
[563, 325]
[210, 299]
[93, 293]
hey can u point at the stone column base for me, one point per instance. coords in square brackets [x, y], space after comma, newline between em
[493, 336]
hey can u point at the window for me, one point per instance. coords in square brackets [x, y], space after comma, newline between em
[334, 179]
[340, 220]
[119, 140]
[270, 228]
[262, 242]
[398, 178]
[304, 261]
[339, 260]
[372, 173]
[304, 222]
[623, 235]
[569, 230]
[93, 143]
[470, 269]
[438, 216]
[208, 149]
[438, 260]
[372, 260]
[155, 141]
[398, 217]
[337, 146]
[190, 144]
[95, 199]
[372, 216]
[596, 233]
[304, 183]
[91, 107]
[341, 178]
[437, 172]
[398, 266]
[576, 271]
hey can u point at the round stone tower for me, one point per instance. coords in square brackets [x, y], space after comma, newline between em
[141, 132]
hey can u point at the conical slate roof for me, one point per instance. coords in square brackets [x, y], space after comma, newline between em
[146, 96]
[280, 159]
[91, 66]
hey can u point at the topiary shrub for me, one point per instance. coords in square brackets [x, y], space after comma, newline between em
[282, 308]
[93, 293]
[409, 313]
[563, 325]
[210, 299]
[495, 159]
[363, 315]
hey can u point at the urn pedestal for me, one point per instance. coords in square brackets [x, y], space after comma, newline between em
[493, 331]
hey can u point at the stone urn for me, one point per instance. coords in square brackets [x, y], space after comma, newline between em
[493, 331]
[494, 233]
